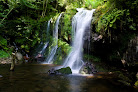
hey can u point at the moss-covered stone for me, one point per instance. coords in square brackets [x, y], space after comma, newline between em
[66, 70]
[136, 83]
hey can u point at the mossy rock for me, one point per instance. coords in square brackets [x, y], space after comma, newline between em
[136, 83]
[66, 70]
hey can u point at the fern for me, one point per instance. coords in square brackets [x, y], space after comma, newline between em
[108, 20]
[28, 4]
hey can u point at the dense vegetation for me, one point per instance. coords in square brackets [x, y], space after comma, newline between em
[22, 25]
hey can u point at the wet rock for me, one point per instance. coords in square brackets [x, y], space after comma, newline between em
[131, 54]
[137, 75]
[97, 37]
[87, 68]
[40, 59]
[52, 71]
[19, 56]
[65, 70]
[136, 83]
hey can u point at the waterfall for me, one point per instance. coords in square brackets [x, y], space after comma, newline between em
[43, 49]
[55, 42]
[48, 28]
[80, 22]
[47, 34]
[43, 45]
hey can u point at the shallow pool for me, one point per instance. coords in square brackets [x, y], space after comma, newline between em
[34, 78]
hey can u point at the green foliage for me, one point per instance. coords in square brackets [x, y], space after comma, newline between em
[66, 26]
[3, 54]
[136, 83]
[67, 23]
[3, 42]
[64, 46]
[108, 20]
[62, 52]
[28, 3]
[124, 4]
[23, 28]
[92, 58]
[92, 4]
[115, 15]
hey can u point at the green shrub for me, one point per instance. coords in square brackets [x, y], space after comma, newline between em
[3, 54]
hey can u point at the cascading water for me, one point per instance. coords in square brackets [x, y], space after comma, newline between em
[42, 50]
[47, 34]
[48, 28]
[55, 41]
[81, 21]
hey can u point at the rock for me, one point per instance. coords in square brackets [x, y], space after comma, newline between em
[40, 59]
[5, 60]
[52, 71]
[131, 54]
[19, 57]
[97, 37]
[137, 75]
[87, 68]
[1, 76]
[136, 83]
[66, 70]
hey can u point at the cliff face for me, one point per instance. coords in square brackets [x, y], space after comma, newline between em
[130, 57]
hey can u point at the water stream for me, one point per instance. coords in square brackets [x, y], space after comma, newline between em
[50, 57]
[41, 48]
[47, 42]
[81, 21]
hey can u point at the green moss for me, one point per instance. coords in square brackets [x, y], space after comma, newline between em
[62, 51]
[66, 70]
[123, 78]
[136, 83]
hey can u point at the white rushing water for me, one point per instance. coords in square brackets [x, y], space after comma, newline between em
[80, 22]
[44, 48]
[48, 27]
[55, 42]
